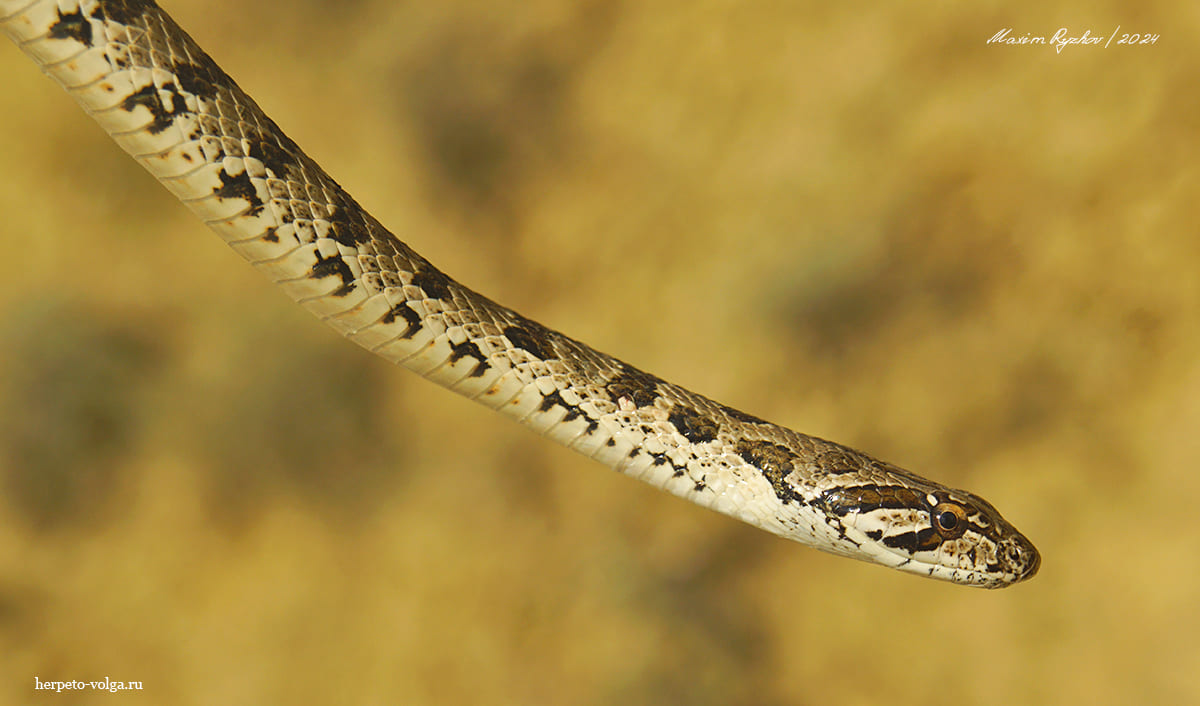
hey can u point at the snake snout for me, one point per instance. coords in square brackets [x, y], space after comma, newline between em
[1024, 558]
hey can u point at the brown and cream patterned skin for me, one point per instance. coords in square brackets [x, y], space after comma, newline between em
[179, 115]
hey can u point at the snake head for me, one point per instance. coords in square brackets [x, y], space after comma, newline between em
[906, 522]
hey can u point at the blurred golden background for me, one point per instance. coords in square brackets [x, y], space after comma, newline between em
[974, 261]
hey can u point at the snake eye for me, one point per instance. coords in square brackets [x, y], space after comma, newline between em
[950, 520]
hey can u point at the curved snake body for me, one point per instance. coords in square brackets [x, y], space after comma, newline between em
[181, 117]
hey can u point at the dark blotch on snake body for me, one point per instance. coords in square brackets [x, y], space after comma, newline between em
[150, 98]
[273, 155]
[839, 460]
[694, 426]
[238, 186]
[411, 318]
[554, 399]
[349, 224]
[775, 462]
[633, 384]
[72, 25]
[551, 400]
[530, 336]
[130, 13]
[431, 281]
[333, 265]
[203, 78]
[469, 349]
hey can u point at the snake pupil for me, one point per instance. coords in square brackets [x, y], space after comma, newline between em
[948, 520]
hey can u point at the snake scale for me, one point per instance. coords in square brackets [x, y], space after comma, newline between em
[165, 101]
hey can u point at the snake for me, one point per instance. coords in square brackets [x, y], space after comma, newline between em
[176, 112]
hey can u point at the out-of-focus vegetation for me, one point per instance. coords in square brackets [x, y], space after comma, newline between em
[976, 261]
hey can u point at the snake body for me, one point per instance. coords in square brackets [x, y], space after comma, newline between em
[165, 101]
